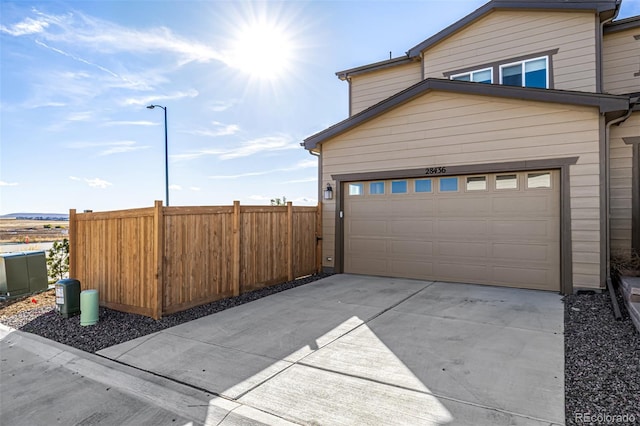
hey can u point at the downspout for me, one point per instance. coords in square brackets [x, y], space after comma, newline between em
[607, 133]
[600, 80]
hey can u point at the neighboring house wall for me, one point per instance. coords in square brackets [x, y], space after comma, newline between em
[621, 57]
[369, 88]
[442, 128]
[502, 35]
[621, 182]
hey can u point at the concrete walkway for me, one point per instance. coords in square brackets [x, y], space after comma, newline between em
[369, 350]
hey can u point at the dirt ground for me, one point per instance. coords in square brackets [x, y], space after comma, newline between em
[19, 230]
[11, 307]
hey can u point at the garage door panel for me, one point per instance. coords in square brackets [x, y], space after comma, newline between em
[507, 237]
[528, 277]
[368, 265]
[461, 228]
[526, 205]
[462, 249]
[530, 229]
[368, 227]
[460, 272]
[463, 206]
[409, 269]
[368, 245]
[411, 249]
[526, 252]
[422, 228]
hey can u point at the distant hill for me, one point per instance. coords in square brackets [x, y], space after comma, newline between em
[36, 216]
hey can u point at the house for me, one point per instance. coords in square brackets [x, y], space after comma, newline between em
[503, 150]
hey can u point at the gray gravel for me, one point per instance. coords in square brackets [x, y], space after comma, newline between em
[602, 356]
[602, 363]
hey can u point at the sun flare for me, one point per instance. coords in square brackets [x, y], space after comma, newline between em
[262, 49]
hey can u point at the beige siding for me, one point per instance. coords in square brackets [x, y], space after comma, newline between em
[621, 169]
[502, 35]
[444, 129]
[621, 60]
[370, 88]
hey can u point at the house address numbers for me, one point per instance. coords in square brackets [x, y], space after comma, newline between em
[435, 170]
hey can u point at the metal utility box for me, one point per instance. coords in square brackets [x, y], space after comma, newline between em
[22, 273]
[68, 297]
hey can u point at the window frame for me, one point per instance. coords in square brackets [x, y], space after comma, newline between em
[466, 183]
[523, 73]
[539, 188]
[360, 184]
[457, 190]
[471, 73]
[495, 182]
[431, 186]
[406, 187]
[384, 187]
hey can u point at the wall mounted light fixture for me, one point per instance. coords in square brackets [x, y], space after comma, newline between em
[328, 192]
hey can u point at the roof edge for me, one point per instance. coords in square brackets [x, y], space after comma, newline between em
[604, 102]
[400, 60]
[622, 24]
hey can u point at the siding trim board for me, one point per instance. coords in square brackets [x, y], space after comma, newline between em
[562, 164]
[496, 64]
[605, 102]
[344, 75]
[635, 192]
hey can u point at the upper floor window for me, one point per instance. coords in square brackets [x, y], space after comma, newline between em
[480, 76]
[529, 73]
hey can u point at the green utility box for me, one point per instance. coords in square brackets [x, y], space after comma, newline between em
[22, 273]
[68, 297]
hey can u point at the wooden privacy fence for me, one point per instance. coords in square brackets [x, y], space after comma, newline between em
[161, 260]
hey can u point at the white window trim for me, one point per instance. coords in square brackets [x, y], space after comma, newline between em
[473, 72]
[521, 63]
[495, 182]
[486, 183]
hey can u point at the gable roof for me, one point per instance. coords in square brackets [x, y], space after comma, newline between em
[605, 103]
[606, 8]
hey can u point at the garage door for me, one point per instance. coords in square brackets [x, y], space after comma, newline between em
[498, 229]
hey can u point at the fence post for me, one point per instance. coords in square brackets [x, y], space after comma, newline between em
[158, 254]
[73, 243]
[235, 261]
[290, 241]
[319, 238]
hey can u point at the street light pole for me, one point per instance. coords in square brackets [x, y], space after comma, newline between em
[166, 153]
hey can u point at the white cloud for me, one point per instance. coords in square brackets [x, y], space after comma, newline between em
[309, 179]
[93, 34]
[94, 183]
[147, 100]
[304, 164]
[80, 116]
[219, 106]
[219, 129]
[175, 187]
[244, 149]
[28, 26]
[3, 183]
[117, 147]
[131, 123]
[98, 183]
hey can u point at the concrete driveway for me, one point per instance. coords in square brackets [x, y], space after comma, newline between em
[354, 349]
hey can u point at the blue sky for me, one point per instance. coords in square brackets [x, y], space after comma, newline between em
[243, 82]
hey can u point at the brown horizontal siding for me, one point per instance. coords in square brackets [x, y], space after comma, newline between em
[621, 60]
[502, 35]
[370, 88]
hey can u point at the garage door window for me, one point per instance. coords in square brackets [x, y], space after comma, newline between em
[376, 188]
[477, 183]
[399, 187]
[422, 185]
[448, 184]
[539, 180]
[356, 189]
[507, 182]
